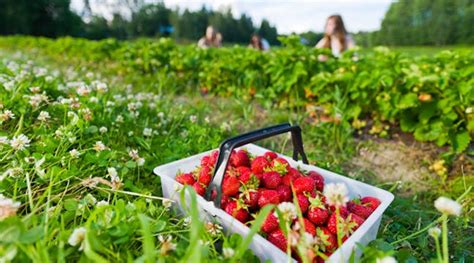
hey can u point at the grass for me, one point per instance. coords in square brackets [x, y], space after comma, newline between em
[134, 222]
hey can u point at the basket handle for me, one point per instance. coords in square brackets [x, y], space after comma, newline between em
[228, 145]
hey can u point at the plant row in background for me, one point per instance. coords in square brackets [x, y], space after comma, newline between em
[430, 97]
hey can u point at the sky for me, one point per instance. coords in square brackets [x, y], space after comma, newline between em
[287, 15]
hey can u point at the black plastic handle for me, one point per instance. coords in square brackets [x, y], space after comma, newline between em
[227, 146]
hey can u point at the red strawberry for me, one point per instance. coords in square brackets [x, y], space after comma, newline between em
[328, 239]
[205, 175]
[230, 186]
[318, 215]
[371, 202]
[213, 158]
[303, 202]
[356, 219]
[270, 156]
[268, 197]
[199, 188]
[318, 179]
[205, 161]
[271, 180]
[241, 170]
[278, 239]
[239, 158]
[359, 209]
[185, 179]
[259, 164]
[342, 210]
[224, 200]
[309, 227]
[270, 224]
[250, 198]
[238, 211]
[304, 184]
[280, 165]
[284, 192]
[292, 175]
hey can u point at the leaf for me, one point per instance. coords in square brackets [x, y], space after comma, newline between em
[32, 235]
[148, 242]
[460, 141]
[408, 101]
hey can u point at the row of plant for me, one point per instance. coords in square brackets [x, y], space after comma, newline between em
[431, 97]
[76, 155]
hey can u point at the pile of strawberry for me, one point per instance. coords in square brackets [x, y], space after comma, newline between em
[251, 183]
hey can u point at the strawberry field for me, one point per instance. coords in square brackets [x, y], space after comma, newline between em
[83, 123]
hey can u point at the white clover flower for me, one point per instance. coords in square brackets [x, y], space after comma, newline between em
[114, 178]
[35, 89]
[130, 133]
[77, 237]
[469, 110]
[288, 211]
[228, 252]
[226, 126]
[434, 232]
[99, 146]
[7, 115]
[119, 119]
[336, 194]
[102, 203]
[140, 161]
[161, 114]
[133, 153]
[101, 87]
[187, 221]
[167, 244]
[83, 90]
[4, 140]
[147, 132]
[44, 116]
[207, 120]
[213, 229]
[74, 153]
[89, 75]
[386, 259]
[103, 129]
[8, 207]
[448, 206]
[93, 99]
[193, 118]
[20, 142]
[35, 100]
[167, 203]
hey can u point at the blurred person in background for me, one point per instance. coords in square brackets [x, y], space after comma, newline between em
[259, 43]
[335, 37]
[211, 39]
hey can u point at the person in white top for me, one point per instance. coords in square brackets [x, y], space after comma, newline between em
[211, 39]
[335, 37]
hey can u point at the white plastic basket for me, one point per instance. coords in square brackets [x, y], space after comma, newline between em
[259, 245]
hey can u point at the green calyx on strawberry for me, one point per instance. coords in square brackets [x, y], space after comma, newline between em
[278, 165]
[238, 210]
[326, 241]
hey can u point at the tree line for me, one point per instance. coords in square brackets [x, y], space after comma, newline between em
[54, 18]
[424, 22]
[407, 22]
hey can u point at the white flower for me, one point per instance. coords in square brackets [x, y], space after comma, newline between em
[74, 153]
[7, 115]
[36, 99]
[99, 146]
[187, 221]
[161, 114]
[386, 259]
[469, 110]
[35, 89]
[193, 118]
[434, 232]
[207, 120]
[119, 119]
[112, 172]
[147, 132]
[102, 203]
[130, 133]
[166, 244]
[83, 90]
[228, 252]
[288, 211]
[90, 199]
[167, 203]
[114, 178]
[93, 99]
[448, 206]
[77, 237]
[133, 153]
[20, 142]
[103, 129]
[140, 161]
[101, 87]
[4, 140]
[213, 229]
[44, 116]
[336, 194]
[8, 207]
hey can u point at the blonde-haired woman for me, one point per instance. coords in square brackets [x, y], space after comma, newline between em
[211, 39]
[335, 37]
